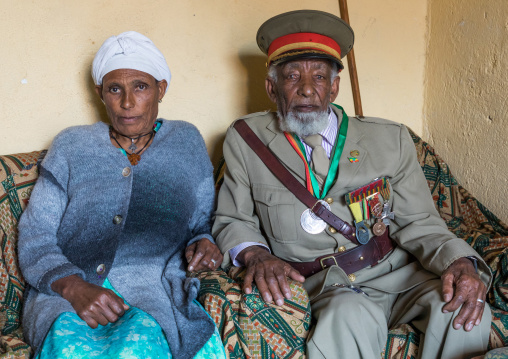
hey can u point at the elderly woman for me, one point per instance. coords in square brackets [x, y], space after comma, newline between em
[117, 214]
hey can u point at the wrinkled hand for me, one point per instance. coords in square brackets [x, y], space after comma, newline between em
[462, 287]
[94, 304]
[203, 255]
[270, 274]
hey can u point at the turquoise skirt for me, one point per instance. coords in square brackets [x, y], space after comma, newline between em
[134, 335]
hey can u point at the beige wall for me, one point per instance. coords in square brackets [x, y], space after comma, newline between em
[218, 71]
[466, 95]
[457, 67]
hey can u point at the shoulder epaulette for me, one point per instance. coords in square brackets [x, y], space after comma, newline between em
[251, 115]
[378, 120]
[255, 114]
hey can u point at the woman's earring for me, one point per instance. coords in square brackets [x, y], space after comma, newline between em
[160, 100]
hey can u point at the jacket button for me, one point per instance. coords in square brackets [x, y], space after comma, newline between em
[117, 219]
[351, 277]
[126, 172]
[342, 249]
[332, 230]
[101, 269]
[329, 200]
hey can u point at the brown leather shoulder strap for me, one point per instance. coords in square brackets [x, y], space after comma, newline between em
[291, 183]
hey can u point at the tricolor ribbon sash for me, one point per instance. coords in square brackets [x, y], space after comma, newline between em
[340, 141]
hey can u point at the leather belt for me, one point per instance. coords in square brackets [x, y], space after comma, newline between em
[350, 261]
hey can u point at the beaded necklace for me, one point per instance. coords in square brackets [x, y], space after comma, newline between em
[135, 157]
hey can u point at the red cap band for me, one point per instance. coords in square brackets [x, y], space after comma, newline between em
[305, 38]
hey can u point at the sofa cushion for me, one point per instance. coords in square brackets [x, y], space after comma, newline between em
[18, 174]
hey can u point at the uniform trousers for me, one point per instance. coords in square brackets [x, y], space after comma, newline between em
[352, 325]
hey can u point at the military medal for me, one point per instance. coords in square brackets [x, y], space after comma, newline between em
[380, 186]
[379, 228]
[311, 223]
[371, 199]
[362, 232]
[387, 215]
[376, 207]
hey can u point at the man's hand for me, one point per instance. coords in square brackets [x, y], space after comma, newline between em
[94, 304]
[462, 287]
[203, 255]
[270, 274]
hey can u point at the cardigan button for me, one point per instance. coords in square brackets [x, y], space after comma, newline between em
[101, 269]
[117, 219]
[126, 172]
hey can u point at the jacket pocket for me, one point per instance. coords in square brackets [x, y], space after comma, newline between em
[275, 207]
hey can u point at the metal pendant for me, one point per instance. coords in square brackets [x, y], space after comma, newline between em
[133, 146]
[311, 223]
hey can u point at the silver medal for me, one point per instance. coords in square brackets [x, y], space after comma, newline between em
[311, 223]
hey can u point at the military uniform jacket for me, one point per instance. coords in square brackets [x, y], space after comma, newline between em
[254, 206]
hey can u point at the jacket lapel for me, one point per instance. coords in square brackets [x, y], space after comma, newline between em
[348, 169]
[282, 149]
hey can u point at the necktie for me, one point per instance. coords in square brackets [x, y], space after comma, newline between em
[319, 160]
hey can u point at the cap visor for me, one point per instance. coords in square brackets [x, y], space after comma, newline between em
[310, 55]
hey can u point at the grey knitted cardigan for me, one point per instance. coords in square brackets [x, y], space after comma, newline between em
[165, 203]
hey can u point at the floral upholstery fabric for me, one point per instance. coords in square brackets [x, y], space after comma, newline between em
[18, 174]
[250, 327]
[468, 219]
[500, 353]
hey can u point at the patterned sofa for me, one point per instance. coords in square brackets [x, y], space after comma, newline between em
[465, 216]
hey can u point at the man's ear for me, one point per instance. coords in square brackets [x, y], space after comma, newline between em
[335, 88]
[271, 90]
[98, 90]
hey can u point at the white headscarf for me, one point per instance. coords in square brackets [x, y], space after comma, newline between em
[130, 50]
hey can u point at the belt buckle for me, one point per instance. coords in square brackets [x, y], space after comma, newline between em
[325, 258]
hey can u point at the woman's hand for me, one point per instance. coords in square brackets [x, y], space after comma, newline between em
[203, 255]
[94, 304]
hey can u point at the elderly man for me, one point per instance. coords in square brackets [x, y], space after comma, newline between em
[392, 259]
